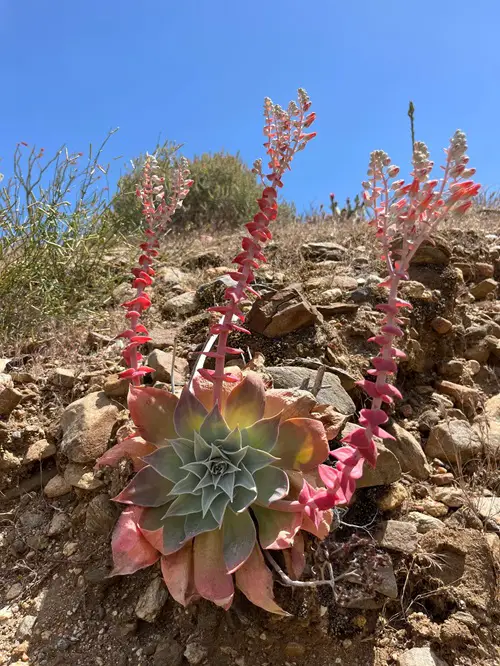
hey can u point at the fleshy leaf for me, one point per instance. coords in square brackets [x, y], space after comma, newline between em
[152, 411]
[178, 573]
[131, 551]
[210, 576]
[186, 485]
[239, 539]
[147, 488]
[295, 559]
[167, 463]
[244, 479]
[183, 505]
[174, 534]
[202, 450]
[301, 445]
[189, 415]
[203, 388]
[232, 443]
[245, 404]
[196, 524]
[288, 403]
[276, 528]
[133, 448]
[255, 459]
[272, 484]
[218, 507]
[243, 497]
[150, 523]
[255, 580]
[184, 449]
[214, 427]
[263, 434]
[323, 530]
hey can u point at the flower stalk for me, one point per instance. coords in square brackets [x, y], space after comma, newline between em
[157, 212]
[285, 136]
[404, 216]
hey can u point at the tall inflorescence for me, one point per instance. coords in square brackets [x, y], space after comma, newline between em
[285, 136]
[404, 215]
[157, 211]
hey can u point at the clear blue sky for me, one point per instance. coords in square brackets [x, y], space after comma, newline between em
[196, 71]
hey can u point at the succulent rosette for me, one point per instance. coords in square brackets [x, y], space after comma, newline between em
[214, 486]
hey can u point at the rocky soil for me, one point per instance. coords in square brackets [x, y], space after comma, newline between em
[420, 545]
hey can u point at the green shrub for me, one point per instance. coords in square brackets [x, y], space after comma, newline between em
[55, 225]
[224, 193]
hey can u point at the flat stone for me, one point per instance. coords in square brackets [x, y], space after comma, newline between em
[332, 393]
[116, 387]
[82, 476]
[9, 396]
[345, 282]
[203, 259]
[13, 591]
[278, 313]
[162, 338]
[181, 305]
[416, 291]
[169, 275]
[63, 377]
[441, 325]
[195, 653]
[57, 487]
[325, 251]
[432, 507]
[424, 522]
[87, 425]
[152, 600]
[70, 548]
[161, 361]
[168, 653]
[393, 498]
[408, 451]
[59, 524]
[387, 584]
[25, 627]
[488, 508]
[387, 471]
[39, 451]
[452, 497]
[30, 520]
[397, 535]
[454, 441]
[101, 515]
[423, 656]
[483, 288]
[336, 309]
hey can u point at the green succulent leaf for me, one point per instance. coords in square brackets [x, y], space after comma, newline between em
[255, 459]
[243, 498]
[183, 505]
[263, 434]
[239, 539]
[174, 535]
[245, 479]
[196, 524]
[189, 415]
[166, 462]
[202, 450]
[186, 485]
[218, 507]
[231, 443]
[147, 488]
[214, 427]
[272, 484]
[184, 449]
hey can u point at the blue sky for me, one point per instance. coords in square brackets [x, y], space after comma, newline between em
[197, 71]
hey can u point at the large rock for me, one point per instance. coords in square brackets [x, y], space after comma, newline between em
[152, 600]
[9, 396]
[388, 469]
[408, 451]
[278, 313]
[455, 441]
[161, 361]
[488, 508]
[332, 393]
[424, 522]
[483, 288]
[169, 275]
[181, 305]
[466, 398]
[39, 451]
[398, 536]
[325, 251]
[87, 425]
[82, 476]
[57, 487]
[423, 656]
[101, 515]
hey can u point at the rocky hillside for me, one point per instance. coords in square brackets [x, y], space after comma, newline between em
[418, 552]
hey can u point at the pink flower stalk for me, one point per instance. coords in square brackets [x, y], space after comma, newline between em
[157, 214]
[404, 216]
[285, 136]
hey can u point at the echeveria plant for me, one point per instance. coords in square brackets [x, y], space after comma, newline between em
[222, 471]
[214, 486]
